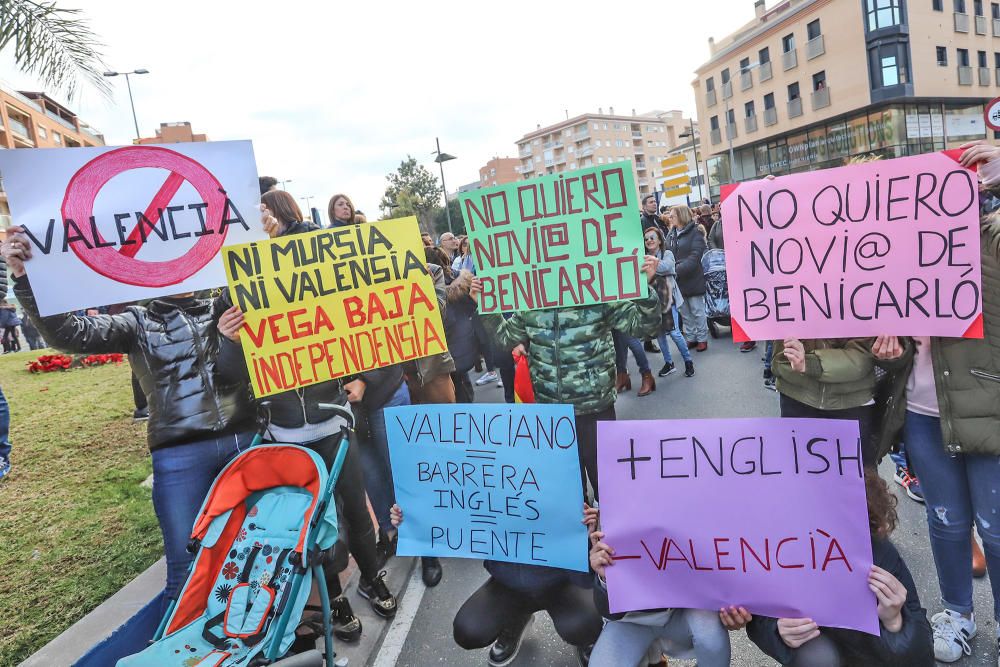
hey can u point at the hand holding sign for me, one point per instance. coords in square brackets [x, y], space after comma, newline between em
[891, 596]
[16, 250]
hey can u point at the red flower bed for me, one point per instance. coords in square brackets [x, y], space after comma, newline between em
[50, 362]
[62, 362]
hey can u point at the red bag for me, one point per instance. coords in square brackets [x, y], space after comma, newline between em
[523, 391]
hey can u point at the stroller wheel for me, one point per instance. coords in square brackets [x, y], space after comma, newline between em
[713, 329]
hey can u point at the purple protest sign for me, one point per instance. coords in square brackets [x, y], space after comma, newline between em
[769, 514]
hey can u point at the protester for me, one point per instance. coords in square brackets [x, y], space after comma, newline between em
[904, 639]
[267, 183]
[688, 245]
[629, 637]
[500, 612]
[623, 382]
[647, 214]
[197, 422]
[4, 406]
[341, 211]
[571, 356]
[463, 260]
[296, 417]
[9, 323]
[459, 325]
[449, 243]
[35, 340]
[427, 240]
[705, 219]
[670, 298]
[948, 414]
[360, 218]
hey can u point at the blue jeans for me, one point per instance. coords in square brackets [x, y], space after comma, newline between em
[4, 427]
[182, 476]
[375, 460]
[678, 338]
[625, 343]
[624, 643]
[956, 490]
[768, 355]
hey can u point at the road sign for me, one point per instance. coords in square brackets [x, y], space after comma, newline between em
[677, 192]
[992, 114]
[680, 180]
[673, 160]
[120, 264]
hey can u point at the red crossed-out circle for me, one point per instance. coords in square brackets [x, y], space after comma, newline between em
[119, 264]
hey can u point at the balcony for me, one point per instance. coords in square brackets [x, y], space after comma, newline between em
[638, 150]
[560, 159]
[961, 22]
[996, 27]
[820, 98]
[59, 119]
[731, 131]
[765, 71]
[789, 59]
[716, 136]
[19, 128]
[640, 166]
[580, 135]
[964, 76]
[815, 47]
[585, 151]
[636, 134]
[727, 90]
[527, 168]
[525, 151]
[795, 107]
[770, 116]
[746, 80]
[750, 123]
[984, 76]
[710, 98]
[980, 25]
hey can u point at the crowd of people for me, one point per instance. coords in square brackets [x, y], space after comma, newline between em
[939, 396]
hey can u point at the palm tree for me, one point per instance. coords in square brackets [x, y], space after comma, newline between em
[52, 43]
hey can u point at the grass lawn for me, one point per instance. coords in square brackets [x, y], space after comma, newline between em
[75, 525]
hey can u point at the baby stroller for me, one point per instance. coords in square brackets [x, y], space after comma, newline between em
[713, 265]
[258, 543]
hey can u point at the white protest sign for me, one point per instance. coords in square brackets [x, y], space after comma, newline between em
[117, 224]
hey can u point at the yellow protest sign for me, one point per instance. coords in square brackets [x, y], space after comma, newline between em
[333, 302]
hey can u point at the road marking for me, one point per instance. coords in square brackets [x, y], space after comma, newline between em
[392, 645]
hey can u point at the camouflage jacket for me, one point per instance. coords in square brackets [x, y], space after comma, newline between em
[570, 353]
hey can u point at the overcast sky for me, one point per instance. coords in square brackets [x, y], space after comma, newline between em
[334, 95]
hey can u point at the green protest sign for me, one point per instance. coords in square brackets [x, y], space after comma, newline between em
[569, 239]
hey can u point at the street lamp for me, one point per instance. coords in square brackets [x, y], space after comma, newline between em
[128, 83]
[694, 148]
[441, 159]
[283, 187]
[729, 135]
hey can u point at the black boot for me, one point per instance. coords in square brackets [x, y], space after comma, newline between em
[505, 648]
[430, 570]
[346, 626]
[385, 548]
[377, 593]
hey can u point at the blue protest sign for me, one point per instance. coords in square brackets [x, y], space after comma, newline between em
[492, 481]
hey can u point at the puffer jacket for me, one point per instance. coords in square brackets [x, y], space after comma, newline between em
[966, 372]
[840, 373]
[460, 323]
[912, 646]
[173, 347]
[571, 355]
[688, 245]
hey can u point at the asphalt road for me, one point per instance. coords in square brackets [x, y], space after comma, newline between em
[727, 384]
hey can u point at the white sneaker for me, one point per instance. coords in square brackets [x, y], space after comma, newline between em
[500, 382]
[952, 633]
[486, 378]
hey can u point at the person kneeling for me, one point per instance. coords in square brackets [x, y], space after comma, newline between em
[500, 612]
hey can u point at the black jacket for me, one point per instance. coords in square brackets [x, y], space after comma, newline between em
[3, 277]
[461, 323]
[173, 349]
[912, 646]
[688, 245]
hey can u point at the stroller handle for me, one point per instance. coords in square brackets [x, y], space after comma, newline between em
[340, 411]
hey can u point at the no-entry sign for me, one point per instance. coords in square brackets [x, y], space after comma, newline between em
[111, 225]
[992, 114]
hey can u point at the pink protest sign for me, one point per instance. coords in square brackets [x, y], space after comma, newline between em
[769, 514]
[885, 247]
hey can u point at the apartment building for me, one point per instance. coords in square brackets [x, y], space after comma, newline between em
[498, 171]
[593, 139]
[35, 120]
[172, 133]
[809, 83]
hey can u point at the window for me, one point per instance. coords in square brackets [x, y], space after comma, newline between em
[41, 132]
[725, 76]
[713, 123]
[597, 126]
[819, 80]
[600, 160]
[731, 117]
[709, 84]
[56, 137]
[996, 60]
[619, 143]
[963, 57]
[744, 65]
[748, 109]
[768, 101]
[605, 125]
[812, 29]
[982, 59]
[788, 43]
[764, 55]
[959, 6]
[977, 7]
[995, 10]
[607, 144]
[793, 91]
[942, 56]
[885, 13]
[938, 5]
